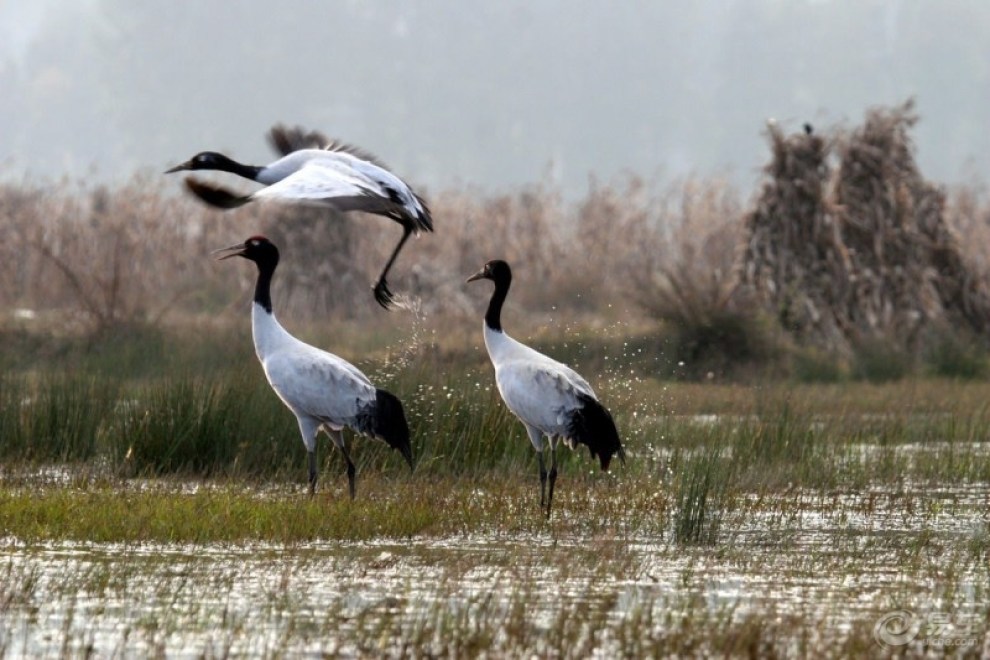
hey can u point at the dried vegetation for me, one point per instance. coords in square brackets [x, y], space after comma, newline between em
[845, 248]
[861, 252]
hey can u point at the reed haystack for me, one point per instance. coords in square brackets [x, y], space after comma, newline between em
[860, 251]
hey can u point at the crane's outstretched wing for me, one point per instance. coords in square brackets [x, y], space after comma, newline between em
[324, 183]
[312, 184]
[286, 139]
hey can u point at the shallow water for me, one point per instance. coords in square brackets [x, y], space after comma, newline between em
[830, 565]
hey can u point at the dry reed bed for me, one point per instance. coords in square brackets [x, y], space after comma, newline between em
[138, 253]
[835, 253]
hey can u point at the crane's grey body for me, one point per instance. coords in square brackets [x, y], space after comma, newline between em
[341, 180]
[320, 388]
[540, 391]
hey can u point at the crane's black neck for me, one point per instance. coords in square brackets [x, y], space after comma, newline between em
[493, 317]
[211, 160]
[240, 169]
[262, 288]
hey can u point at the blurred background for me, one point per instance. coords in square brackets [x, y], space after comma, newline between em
[495, 94]
[733, 187]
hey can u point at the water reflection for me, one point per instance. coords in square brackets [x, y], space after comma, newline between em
[829, 562]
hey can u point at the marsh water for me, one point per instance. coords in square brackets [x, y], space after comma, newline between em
[815, 569]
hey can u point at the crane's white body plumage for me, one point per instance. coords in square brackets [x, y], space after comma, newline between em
[339, 179]
[540, 391]
[320, 388]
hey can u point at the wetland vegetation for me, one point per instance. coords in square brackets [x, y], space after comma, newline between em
[167, 514]
[780, 498]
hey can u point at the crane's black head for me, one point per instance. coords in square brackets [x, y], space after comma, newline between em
[263, 253]
[257, 248]
[497, 271]
[206, 160]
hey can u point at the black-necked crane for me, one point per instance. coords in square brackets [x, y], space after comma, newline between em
[551, 400]
[314, 169]
[322, 390]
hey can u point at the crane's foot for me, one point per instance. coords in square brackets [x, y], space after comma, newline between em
[383, 296]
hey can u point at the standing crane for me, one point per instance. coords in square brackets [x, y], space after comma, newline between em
[322, 390]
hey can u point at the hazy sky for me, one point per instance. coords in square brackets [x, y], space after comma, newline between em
[493, 94]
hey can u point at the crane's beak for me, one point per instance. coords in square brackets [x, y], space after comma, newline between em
[181, 167]
[232, 251]
[480, 275]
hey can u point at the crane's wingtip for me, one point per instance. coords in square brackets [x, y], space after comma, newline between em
[215, 196]
[285, 139]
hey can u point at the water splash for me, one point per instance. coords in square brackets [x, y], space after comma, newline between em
[401, 356]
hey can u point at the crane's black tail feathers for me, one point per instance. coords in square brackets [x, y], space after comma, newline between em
[215, 195]
[593, 426]
[424, 220]
[388, 422]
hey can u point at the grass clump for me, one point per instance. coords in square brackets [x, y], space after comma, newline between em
[386, 507]
[701, 492]
[779, 436]
[459, 425]
[719, 344]
[214, 426]
[57, 419]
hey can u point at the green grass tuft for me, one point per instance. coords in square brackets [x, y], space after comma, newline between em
[701, 491]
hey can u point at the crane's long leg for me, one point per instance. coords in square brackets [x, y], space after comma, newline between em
[312, 473]
[308, 427]
[536, 439]
[553, 472]
[351, 470]
[382, 293]
[543, 480]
